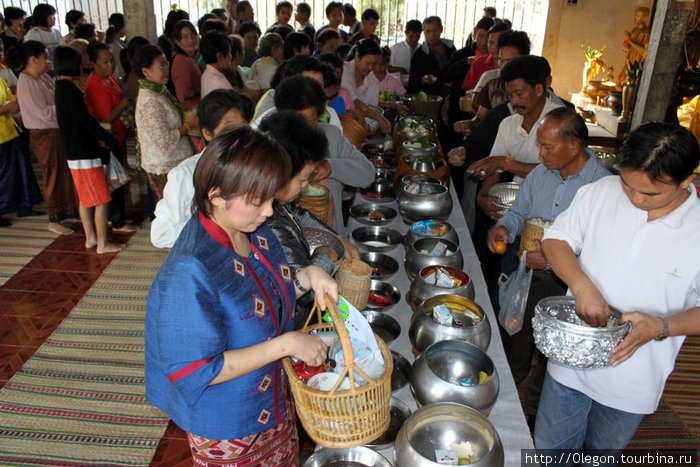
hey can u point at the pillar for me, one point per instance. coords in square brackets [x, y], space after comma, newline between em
[140, 19]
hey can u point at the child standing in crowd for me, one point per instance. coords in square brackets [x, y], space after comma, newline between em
[86, 146]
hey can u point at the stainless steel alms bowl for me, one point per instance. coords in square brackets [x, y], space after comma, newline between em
[377, 239]
[437, 426]
[428, 163]
[506, 193]
[378, 191]
[417, 149]
[382, 296]
[399, 413]
[383, 325]
[401, 372]
[565, 338]
[421, 255]
[384, 174]
[430, 229]
[383, 266]
[356, 457]
[373, 214]
[421, 289]
[449, 371]
[420, 201]
[415, 127]
[425, 330]
[414, 178]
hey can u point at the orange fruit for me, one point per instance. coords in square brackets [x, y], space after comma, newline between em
[499, 247]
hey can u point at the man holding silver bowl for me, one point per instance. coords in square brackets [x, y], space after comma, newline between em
[629, 242]
[547, 191]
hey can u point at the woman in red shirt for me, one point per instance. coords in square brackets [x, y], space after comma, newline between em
[105, 102]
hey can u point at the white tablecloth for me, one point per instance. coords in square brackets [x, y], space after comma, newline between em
[507, 414]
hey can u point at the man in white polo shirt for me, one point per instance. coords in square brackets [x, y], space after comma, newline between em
[629, 242]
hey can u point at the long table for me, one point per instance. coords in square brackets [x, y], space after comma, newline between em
[507, 414]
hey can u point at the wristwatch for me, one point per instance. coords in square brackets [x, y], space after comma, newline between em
[664, 330]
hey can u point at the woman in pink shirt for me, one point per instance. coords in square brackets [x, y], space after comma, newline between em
[35, 94]
[185, 71]
[216, 53]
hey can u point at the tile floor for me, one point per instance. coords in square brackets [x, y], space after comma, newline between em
[35, 301]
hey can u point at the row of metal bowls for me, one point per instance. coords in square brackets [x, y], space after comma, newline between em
[430, 428]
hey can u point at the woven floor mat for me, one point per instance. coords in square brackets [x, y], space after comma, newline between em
[80, 399]
[21, 242]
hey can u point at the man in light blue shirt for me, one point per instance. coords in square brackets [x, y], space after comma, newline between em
[567, 165]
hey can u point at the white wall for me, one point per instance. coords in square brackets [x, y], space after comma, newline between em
[595, 23]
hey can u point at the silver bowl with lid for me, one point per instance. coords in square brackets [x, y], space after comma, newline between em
[565, 338]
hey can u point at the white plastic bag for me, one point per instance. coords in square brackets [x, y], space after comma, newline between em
[512, 296]
[115, 173]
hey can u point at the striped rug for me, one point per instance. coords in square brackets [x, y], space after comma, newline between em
[79, 400]
[21, 242]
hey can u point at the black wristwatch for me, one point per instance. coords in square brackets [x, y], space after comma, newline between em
[664, 330]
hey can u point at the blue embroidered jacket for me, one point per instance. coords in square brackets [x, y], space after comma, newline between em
[207, 299]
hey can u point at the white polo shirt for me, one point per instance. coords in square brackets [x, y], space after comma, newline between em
[653, 267]
[401, 57]
[512, 139]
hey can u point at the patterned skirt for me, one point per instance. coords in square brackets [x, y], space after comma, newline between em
[277, 446]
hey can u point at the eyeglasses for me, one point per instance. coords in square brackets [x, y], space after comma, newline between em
[164, 66]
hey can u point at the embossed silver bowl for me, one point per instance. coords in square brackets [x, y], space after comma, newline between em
[506, 193]
[423, 253]
[430, 229]
[565, 338]
[424, 330]
[437, 426]
[372, 214]
[423, 286]
[420, 201]
[317, 237]
[452, 371]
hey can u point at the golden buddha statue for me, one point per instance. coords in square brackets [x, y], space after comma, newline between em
[637, 40]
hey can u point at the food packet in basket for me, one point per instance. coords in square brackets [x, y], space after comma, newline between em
[371, 362]
[357, 325]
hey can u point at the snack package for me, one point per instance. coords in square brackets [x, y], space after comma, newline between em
[357, 325]
[442, 315]
[446, 457]
[440, 249]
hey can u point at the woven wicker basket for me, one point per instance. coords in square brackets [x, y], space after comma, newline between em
[355, 279]
[343, 418]
[319, 205]
[429, 108]
[532, 232]
[354, 131]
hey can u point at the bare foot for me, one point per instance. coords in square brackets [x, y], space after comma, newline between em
[109, 248]
[55, 227]
[90, 243]
[128, 228]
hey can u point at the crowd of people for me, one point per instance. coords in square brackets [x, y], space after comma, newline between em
[231, 123]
